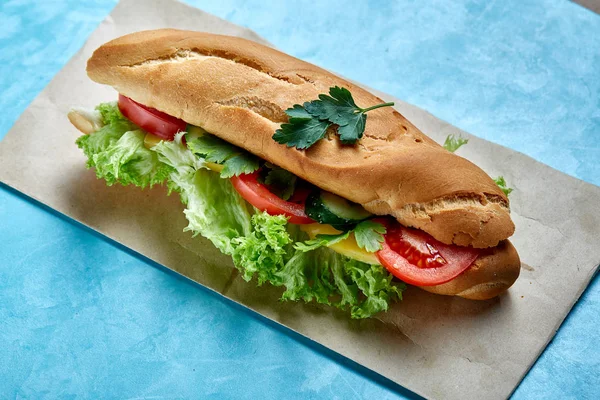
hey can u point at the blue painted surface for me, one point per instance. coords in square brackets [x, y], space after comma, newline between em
[80, 315]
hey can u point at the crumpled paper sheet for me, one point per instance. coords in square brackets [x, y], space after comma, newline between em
[439, 347]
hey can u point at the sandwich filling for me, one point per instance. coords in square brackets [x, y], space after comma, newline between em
[276, 227]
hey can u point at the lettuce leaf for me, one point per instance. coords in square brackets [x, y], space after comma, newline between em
[117, 152]
[262, 246]
[110, 113]
[177, 156]
[321, 241]
[263, 251]
[376, 285]
[329, 278]
[454, 143]
[213, 208]
[502, 185]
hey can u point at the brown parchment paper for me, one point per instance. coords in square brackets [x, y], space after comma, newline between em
[439, 347]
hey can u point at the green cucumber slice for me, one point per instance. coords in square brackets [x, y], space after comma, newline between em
[328, 208]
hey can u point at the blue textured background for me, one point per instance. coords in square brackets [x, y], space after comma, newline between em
[80, 315]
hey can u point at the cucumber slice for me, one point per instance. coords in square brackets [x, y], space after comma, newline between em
[328, 208]
[344, 208]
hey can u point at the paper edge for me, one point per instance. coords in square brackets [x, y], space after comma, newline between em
[27, 197]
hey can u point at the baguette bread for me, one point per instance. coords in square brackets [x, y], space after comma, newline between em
[238, 90]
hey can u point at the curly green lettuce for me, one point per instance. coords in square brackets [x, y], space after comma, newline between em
[263, 252]
[501, 182]
[262, 246]
[329, 278]
[118, 154]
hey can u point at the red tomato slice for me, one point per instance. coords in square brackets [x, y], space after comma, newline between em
[151, 120]
[259, 196]
[417, 258]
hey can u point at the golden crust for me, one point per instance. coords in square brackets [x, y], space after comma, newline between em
[238, 90]
[490, 275]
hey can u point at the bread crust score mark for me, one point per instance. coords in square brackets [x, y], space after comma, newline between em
[239, 90]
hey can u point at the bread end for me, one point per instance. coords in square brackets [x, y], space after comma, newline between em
[490, 275]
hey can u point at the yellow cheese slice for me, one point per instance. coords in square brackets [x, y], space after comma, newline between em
[347, 247]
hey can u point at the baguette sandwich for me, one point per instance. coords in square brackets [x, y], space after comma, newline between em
[307, 181]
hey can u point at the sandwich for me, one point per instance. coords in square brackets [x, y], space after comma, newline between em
[306, 180]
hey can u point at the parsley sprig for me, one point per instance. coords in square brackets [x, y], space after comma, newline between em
[369, 235]
[308, 123]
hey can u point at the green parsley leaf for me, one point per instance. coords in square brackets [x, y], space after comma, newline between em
[301, 133]
[281, 182]
[321, 241]
[354, 128]
[235, 160]
[309, 123]
[339, 108]
[213, 149]
[334, 107]
[369, 235]
[242, 163]
[453, 143]
[502, 184]
[298, 112]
